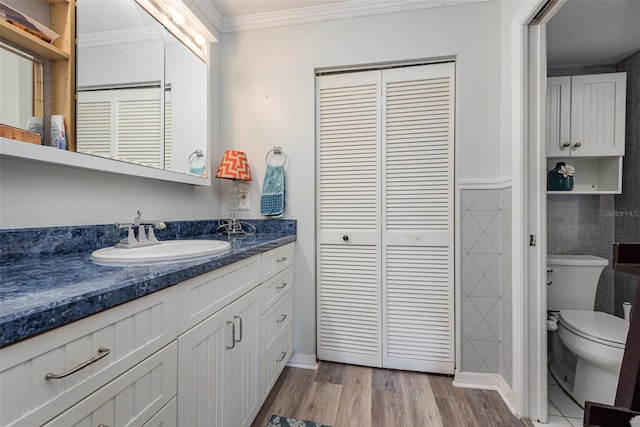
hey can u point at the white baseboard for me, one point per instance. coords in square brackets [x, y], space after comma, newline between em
[305, 361]
[487, 382]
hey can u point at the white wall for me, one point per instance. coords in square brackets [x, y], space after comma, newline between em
[268, 98]
[36, 195]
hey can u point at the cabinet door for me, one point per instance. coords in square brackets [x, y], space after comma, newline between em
[245, 357]
[218, 369]
[598, 114]
[558, 116]
[204, 372]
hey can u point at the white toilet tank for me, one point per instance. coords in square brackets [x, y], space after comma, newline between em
[574, 280]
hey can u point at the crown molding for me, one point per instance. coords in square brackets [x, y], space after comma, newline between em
[127, 35]
[206, 10]
[333, 11]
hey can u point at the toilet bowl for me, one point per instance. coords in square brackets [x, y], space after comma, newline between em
[597, 340]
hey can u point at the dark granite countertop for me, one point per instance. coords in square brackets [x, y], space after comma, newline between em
[40, 293]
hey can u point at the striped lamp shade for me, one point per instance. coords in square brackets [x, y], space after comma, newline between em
[234, 165]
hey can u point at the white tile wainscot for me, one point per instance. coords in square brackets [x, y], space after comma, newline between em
[155, 372]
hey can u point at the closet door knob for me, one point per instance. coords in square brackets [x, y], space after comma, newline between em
[345, 238]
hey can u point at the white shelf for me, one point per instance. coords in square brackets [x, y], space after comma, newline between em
[13, 149]
[30, 42]
[594, 175]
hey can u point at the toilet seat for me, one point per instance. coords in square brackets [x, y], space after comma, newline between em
[596, 326]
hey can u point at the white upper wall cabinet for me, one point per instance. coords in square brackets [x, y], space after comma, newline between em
[586, 115]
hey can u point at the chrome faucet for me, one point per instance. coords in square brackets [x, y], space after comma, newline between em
[145, 236]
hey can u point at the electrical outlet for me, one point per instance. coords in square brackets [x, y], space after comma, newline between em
[243, 200]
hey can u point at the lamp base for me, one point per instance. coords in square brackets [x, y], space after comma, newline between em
[234, 227]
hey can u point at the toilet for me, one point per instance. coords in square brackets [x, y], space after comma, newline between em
[586, 361]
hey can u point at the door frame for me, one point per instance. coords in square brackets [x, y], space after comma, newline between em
[528, 90]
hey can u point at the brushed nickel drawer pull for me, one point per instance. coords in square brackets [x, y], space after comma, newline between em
[233, 335]
[282, 356]
[102, 352]
[102, 425]
[240, 318]
[284, 316]
[284, 258]
[282, 285]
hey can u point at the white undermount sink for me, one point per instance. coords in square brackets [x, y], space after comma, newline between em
[165, 251]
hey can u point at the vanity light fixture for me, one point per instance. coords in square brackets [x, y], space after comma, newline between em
[199, 39]
[178, 19]
[234, 166]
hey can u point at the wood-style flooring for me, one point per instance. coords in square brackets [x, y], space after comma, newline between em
[346, 395]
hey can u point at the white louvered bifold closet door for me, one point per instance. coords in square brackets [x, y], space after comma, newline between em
[417, 211]
[385, 294]
[349, 297]
[125, 124]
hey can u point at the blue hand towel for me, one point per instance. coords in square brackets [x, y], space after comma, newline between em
[272, 202]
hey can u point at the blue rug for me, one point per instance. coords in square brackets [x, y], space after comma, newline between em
[278, 421]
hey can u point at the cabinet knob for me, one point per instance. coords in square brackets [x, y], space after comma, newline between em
[345, 238]
[566, 145]
[577, 145]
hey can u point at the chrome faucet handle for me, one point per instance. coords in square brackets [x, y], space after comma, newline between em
[151, 236]
[131, 236]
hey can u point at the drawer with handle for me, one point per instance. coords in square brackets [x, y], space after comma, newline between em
[42, 376]
[276, 359]
[273, 289]
[276, 260]
[131, 399]
[275, 320]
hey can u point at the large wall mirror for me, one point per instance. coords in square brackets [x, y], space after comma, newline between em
[142, 83]
[141, 93]
[19, 86]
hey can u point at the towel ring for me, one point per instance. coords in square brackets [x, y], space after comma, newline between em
[276, 151]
